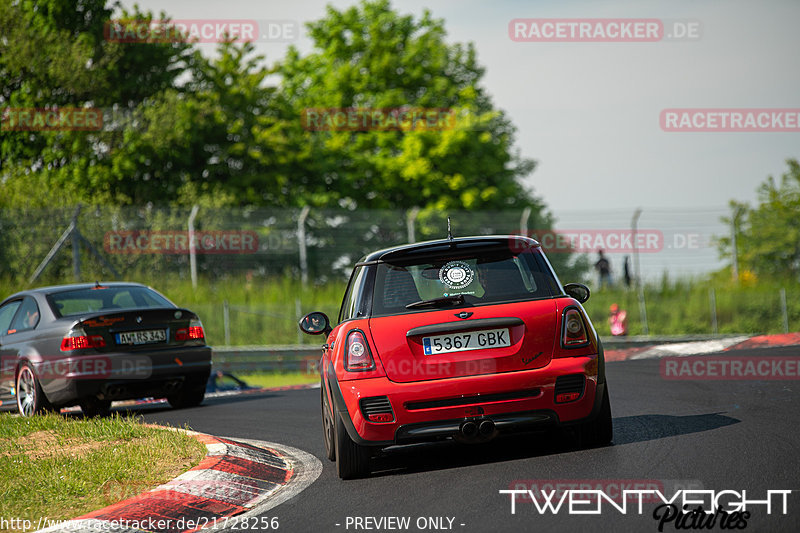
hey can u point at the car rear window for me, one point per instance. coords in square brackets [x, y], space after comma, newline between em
[82, 301]
[484, 278]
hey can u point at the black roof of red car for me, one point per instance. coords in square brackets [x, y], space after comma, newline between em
[515, 242]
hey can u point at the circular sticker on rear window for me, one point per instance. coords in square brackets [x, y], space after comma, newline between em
[456, 274]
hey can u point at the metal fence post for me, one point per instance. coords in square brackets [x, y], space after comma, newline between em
[523, 221]
[643, 311]
[784, 311]
[298, 312]
[411, 219]
[192, 250]
[76, 245]
[634, 227]
[712, 297]
[226, 321]
[301, 242]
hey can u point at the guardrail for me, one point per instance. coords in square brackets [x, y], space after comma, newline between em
[246, 359]
[305, 358]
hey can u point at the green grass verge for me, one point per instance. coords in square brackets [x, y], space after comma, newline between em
[57, 467]
[268, 380]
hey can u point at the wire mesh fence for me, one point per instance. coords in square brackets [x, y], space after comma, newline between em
[260, 269]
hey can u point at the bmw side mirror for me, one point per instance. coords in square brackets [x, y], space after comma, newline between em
[578, 291]
[315, 323]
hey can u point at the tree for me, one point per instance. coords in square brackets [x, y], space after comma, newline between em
[767, 236]
[371, 58]
[53, 54]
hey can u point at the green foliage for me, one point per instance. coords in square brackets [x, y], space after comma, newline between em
[768, 236]
[220, 136]
[54, 55]
[370, 57]
[181, 129]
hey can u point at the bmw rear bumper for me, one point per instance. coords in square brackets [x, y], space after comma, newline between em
[123, 376]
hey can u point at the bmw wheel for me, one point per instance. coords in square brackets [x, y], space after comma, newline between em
[187, 397]
[30, 397]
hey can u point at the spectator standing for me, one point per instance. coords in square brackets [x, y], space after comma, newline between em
[603, 268]
[627, 271]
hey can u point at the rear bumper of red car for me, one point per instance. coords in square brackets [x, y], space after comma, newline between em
[429, 410]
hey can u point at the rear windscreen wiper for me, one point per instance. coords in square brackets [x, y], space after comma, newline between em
[434, 302]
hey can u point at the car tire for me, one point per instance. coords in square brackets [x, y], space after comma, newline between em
[328, 429]
[92, 407]
[191, 397]
[30, 397]
[600, 431]
[352, 460]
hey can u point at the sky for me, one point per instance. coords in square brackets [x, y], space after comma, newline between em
[589, 112]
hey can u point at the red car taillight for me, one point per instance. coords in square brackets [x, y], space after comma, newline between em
[193, 332]
[77, 339]
[357, 355]
[574, 334]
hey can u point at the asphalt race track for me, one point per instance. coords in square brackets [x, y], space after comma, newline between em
[714, 435]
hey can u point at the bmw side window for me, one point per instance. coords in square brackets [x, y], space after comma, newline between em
[6, 314]
[27, 316]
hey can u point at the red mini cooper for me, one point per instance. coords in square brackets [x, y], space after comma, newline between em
[460, 338]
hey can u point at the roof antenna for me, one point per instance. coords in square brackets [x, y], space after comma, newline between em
[449, 231]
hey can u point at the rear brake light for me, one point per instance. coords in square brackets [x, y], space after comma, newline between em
[574, 329]
[78, 340]
[193, 332]
[357, 355]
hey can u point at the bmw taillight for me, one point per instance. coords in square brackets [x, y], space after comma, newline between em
[357, 355]
[574, 329]
[77, 339]
[193, 332]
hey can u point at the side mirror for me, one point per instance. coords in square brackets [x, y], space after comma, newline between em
[315, 323]
[578, 291]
